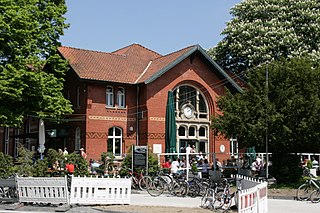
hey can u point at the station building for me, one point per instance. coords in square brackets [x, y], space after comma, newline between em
[119, 100]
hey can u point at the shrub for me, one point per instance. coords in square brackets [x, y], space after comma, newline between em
[6, 165]
[285, 168]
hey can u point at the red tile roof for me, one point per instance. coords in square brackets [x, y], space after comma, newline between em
[126, 65]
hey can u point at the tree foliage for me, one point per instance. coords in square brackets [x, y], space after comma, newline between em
[289, 113]
[264, 30]
[29, 36]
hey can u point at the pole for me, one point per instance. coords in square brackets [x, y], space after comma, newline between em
[267, 157]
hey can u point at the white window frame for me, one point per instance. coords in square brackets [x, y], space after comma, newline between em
[6, 140]
[77, 141]
[16, 143]
[121, 98]
[109, 97]
[113, 137]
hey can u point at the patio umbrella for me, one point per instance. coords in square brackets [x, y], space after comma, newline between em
[171, 127]
[42, 138]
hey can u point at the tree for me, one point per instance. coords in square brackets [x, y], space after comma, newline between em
[30, 30]
[285, 114]
[290, 111]
[264, 30]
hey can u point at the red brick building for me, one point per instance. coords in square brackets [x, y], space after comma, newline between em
[120, 99]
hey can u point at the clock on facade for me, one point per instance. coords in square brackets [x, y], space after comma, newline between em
[187, 111]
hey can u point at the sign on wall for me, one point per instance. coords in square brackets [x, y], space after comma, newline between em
[140, 157]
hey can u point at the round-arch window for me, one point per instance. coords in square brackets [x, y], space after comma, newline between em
[202, 132]
[182, 131]
[192, 131]
[117, 132]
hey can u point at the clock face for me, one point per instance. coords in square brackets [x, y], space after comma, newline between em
[188, 111]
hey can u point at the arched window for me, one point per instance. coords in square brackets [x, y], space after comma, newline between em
[192, 131]
[109, 96]
[121, 97]
[190, 103]
[182, 131]
[77, 141]
[202, 132]
[115, 141]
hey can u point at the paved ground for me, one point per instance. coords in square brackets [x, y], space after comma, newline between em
[149, 204]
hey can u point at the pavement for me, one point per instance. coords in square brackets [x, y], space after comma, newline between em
[144, 199]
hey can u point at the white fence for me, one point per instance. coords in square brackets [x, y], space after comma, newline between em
[83, 190]
[100, 191]
[253, 196]
[42, 189]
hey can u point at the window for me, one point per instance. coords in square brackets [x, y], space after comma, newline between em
[6, 140]
[115, 141]
[182, 131]
[188, 95]
[192, 131]
[16, 143]
[121, 97]
[109, 96]
[202, 132]
[77, 141]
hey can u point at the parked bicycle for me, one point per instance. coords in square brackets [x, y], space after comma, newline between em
[138, 179]
[312, 184]
[211, 198]
[173, 183]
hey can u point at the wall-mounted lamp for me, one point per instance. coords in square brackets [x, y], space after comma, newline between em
[131, 128]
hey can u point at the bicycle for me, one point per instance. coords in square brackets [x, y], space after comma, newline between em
[211, 197]
[304, 190]
[175, 184]
[137, 180]
[315, 196]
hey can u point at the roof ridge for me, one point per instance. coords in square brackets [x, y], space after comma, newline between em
[94, 51]
[131, 45]
[195, 45]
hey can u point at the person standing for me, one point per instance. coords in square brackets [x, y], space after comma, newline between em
[82, 153]
[65, 152]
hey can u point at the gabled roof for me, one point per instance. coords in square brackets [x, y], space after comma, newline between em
[133, 64]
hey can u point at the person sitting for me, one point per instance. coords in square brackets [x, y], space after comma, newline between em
[175, 165]
[70, 168]
[167, 164]
[199, 156]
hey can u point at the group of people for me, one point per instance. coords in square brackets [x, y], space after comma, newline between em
[178, 165]
[68, 166]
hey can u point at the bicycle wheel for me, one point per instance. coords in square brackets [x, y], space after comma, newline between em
[143, 182]
[207, 199]
[304, 191]
[134, 183]
[315, 196]
[180, 189]
[155, 187]
[2, 194]
[194, 189]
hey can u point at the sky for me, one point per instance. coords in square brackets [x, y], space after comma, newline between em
[163, 26]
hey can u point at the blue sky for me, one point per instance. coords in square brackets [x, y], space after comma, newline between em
[163, 26]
